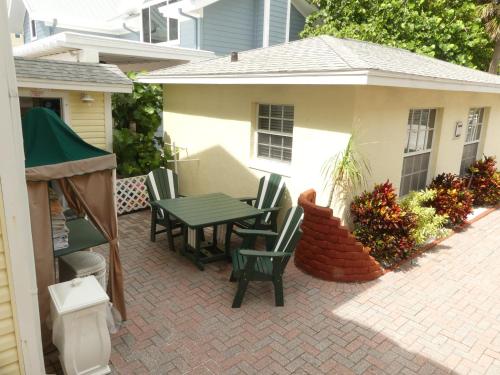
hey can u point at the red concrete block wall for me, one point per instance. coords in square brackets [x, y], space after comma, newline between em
[328, 250]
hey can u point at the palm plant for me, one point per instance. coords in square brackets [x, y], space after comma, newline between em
[345, 171]
[489, 11]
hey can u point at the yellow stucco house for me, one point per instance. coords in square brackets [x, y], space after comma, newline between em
[80, 93]
[288, 108]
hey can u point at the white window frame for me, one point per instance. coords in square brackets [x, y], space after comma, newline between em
[33, 31]
[475, 126]
[426, 150]
[261, 163]
[168, 41]
[52, 94]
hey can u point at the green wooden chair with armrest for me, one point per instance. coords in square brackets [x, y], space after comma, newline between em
[257, 265]
[163, 183]
[269, 194]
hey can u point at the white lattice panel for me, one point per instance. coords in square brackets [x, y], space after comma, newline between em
[131, 194]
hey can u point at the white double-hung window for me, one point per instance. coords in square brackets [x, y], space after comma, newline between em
[156, 27]
[274, 135]
[475, 123]
[417, 151]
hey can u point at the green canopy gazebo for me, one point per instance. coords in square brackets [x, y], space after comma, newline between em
[85, 174]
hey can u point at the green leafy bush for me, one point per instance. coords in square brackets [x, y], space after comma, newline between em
[137, 154]
[381, 224]
[428, 223]
[485, 182]
[453, 199]
[136, 117]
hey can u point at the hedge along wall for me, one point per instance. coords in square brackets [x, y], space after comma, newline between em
[328, 250]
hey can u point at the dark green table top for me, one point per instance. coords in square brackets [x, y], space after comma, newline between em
[82, 235]
[210, 209]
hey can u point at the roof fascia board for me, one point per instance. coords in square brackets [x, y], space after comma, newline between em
[72, 41]
[372, 78]
[347, 78]
[72, 85]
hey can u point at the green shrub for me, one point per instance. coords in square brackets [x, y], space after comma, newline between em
[485, 182]
[453, 199]
[381, 224]
[136, 117]
[137, 154]
[428, 223]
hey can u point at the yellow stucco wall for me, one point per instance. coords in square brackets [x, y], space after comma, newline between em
[217, 123]
[87, 119]
[9, 357]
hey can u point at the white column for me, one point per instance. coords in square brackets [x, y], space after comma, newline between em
[267, 18]
[17, 226]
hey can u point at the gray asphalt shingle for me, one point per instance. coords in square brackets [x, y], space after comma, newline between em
[37, 69]
[327, 54]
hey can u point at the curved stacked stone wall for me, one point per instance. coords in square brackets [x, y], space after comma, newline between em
[328, 250]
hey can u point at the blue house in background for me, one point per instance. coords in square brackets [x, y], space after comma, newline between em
[145, 35]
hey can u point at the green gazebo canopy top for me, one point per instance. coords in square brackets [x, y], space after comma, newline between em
[48, 140]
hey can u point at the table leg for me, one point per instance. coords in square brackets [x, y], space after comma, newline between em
[184, 248]
[214, 237]
[197, 253]
[170, 237]
[227, 242]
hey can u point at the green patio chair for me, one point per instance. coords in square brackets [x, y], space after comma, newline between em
[271, 189]
[258, 265]
[163, 183]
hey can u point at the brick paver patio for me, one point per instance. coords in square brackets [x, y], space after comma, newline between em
[440, 314]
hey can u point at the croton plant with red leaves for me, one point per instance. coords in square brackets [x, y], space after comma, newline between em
[453, 198]
[485, 182]
[382, 225]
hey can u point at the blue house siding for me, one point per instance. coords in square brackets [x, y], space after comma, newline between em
[277, 25]
[228, 25]
[259, 23]
[42, 30]
[297, 22]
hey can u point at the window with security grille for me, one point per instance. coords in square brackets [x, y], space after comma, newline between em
[475, 123]
[417, 149]
[275, 132]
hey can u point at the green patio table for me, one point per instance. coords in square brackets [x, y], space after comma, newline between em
[209, 210]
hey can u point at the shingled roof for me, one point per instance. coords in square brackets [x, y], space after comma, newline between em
[330, 60]
[70, 75]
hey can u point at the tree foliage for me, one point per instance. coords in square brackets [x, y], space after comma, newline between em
[136, 117]
[449, 30]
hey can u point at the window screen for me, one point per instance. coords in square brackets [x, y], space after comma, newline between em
[275, 132]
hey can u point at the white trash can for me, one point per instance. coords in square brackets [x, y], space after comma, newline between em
[78, 312]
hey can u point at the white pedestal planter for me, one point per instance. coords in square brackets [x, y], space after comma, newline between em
[78, 311]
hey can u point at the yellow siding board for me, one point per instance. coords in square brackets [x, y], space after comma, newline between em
[3, 278]
[5, 310]
[9, 360]
[6, 326]
[4, 294]
[7, 342]
[7, 357]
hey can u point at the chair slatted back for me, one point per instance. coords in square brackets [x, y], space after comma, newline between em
[271, 189]
[290, 232]
[162, 183]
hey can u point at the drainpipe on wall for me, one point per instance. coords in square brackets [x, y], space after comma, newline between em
[197, 44]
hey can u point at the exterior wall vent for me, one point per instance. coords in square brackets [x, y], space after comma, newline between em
[234, 56]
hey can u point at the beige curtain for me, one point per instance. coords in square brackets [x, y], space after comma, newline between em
[42, 246]
[95, 193]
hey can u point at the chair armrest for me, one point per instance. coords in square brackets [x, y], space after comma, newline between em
[254, 233]
[247, 200]
[270, 209]
[268, 254]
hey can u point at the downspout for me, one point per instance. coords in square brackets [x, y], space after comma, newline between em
[197, 44]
